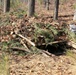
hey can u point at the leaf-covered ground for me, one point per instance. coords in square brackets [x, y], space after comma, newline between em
[42, 64]
[36, 64]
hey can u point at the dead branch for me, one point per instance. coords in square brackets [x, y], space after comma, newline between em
[55, 42]
[20, 49]
[72, 44]
[24, 45]
[47, 53]
[30, 42]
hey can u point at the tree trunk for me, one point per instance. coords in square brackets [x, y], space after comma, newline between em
[56, 10]
[46, 4]
[31, 8]
[6, 6]
[1, 4]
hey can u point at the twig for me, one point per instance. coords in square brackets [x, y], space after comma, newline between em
[72, 44]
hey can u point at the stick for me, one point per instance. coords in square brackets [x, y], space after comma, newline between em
[72, 44]
[47, 53]
[25, 45]
[57, 42]
[26, 39]
[18, 48]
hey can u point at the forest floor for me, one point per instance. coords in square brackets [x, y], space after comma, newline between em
[41, 64]
[36, 63]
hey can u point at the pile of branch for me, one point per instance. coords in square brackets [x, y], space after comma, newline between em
[31, 43]
[34, 44]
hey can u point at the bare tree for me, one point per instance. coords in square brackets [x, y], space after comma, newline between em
[46, 4]
[56, 10]
[1, 2]
[6, 6]
[31, 7]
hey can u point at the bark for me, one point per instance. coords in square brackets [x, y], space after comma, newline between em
[25, 1]
[31, 8]
[46, 4]
[6, 6]
[56, 8]
[1, 3]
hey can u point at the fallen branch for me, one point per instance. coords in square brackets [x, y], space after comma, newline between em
[26, 39]
[47, 53]
[61, 41]
[24, 45]
[20, 49]
[72, 44]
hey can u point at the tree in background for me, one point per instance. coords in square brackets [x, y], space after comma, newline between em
[46, 4]
[56, 10]
[0, 4]
[24, 1]
[31, 8]
[6, 6]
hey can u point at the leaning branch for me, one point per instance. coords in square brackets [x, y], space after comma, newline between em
[26, 39]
